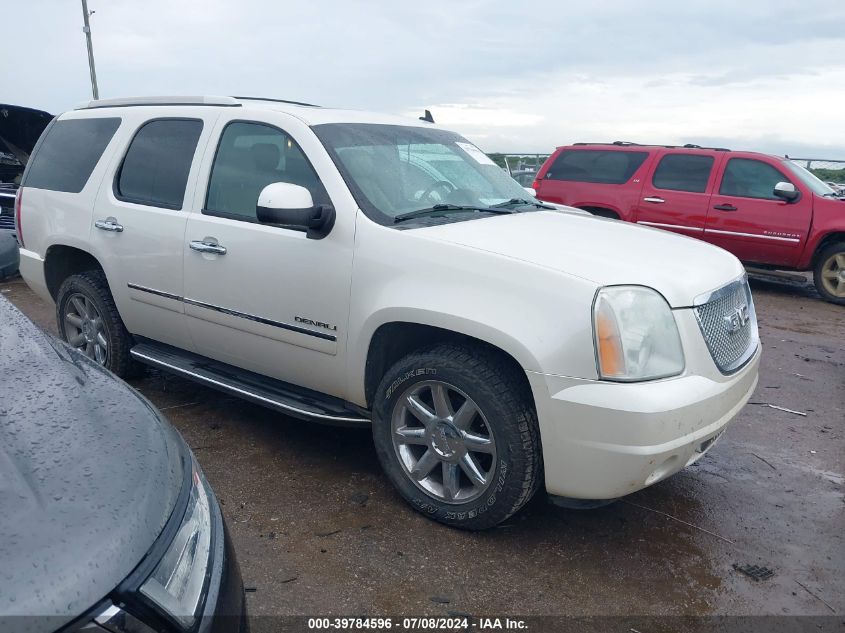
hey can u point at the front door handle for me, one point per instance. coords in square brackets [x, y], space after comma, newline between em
[724, 207]
[109, 224]
[207, 246]
[654, 200]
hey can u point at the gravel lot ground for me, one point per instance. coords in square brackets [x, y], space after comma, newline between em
[318, 529]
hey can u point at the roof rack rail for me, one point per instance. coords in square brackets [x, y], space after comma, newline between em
[687, 146]
[160, 101]
[617, 143]
[300, 103]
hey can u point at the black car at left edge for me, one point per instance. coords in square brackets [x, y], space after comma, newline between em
[20, 129]
[107, 522]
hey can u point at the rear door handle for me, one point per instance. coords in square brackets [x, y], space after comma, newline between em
[207, 246]
[109, 224]
[654, 200]
[724, 207]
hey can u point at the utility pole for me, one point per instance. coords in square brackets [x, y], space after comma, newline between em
[87, 30]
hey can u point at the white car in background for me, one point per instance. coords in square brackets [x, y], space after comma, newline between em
[356, 268]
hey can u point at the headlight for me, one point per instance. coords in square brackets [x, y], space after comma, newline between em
[635, 335]
[177, 583]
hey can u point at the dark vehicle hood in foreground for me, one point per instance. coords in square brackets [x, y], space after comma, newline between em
[89, 475]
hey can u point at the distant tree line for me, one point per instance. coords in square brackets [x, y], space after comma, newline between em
[514, 160]
[830, 175]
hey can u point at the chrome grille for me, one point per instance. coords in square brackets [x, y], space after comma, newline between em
[729, 325]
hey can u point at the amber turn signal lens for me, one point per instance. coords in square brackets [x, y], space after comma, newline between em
[611, 357]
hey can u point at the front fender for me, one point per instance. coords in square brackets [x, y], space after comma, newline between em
[540, 317]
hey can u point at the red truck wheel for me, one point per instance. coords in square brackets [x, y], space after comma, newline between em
[829, 273]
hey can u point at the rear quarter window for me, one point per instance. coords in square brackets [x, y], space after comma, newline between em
[68, 152]
[598, 166]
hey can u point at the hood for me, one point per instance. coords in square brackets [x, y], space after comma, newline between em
[89, 474]
[606, 252]
[19, 130]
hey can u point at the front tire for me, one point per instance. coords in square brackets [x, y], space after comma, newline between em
[88, 320]
[829, 273]
[456, 433]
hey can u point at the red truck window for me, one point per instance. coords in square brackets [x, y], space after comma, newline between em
[683, 172]
[749, 178]
[588, 165]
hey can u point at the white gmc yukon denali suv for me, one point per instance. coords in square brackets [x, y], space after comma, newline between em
[356, 268]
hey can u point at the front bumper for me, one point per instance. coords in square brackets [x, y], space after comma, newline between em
[603, 440]
[225, 608]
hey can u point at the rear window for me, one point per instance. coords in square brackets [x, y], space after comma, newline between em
[68, 153]
[589, 165]
[156, 166]
[683, 172]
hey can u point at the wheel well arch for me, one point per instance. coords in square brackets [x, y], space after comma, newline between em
[394, 340]
[823, 243]
[60, 262]
[603, 212]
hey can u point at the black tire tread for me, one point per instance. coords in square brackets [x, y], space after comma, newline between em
[824, 255]
[501, 377]
[94, 283]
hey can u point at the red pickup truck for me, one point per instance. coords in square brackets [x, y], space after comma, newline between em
[768, 211]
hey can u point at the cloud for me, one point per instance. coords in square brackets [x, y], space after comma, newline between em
[512, 77]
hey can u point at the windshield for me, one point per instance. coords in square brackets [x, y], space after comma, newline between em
[394, 170]
[816, 186]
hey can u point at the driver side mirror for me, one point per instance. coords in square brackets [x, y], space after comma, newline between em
[291, 206]
[786, 191]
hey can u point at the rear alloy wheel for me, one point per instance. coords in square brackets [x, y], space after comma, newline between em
[89, 321]
[456, 433]
[84, 329]
[829, 274]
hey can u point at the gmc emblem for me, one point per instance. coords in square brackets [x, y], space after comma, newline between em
[737, 319]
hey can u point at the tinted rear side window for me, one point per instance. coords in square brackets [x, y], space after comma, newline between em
[155, 169]
[588, 165]
[683, 172]
[68, 153]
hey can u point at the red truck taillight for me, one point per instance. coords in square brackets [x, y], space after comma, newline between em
[18, 201]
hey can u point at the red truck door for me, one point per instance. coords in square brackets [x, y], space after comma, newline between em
[747, 219]
[676, 191]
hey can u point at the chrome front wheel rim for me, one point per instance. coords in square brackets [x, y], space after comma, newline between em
[443, 442]
[84, 328]
[833, 275]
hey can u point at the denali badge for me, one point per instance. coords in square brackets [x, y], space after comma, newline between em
[737, 319]
[327, 326]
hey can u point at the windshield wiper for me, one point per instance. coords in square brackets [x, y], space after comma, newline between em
[522, 202]
[444, 209]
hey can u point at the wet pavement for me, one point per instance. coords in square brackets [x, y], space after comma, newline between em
[318, 529]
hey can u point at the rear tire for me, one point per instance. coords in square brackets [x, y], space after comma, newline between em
[829, 273]
[476, 451]
[88, 320]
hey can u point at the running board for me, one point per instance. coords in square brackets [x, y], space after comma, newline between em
[275, 394]
[777, 274]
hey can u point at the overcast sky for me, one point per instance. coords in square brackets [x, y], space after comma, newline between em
[767, 75]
